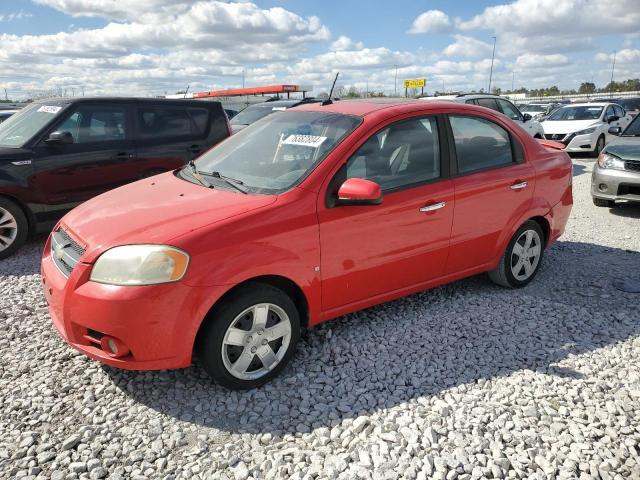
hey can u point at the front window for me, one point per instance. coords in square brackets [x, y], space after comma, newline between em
[273, 155]
[21, 127]
[577, 113]
[533, 109]
[633, 129]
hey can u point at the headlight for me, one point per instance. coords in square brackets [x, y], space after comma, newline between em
[140, 265]
[609, 161]
[586, 131]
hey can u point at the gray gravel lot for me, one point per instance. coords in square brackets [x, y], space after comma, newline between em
[464, 381]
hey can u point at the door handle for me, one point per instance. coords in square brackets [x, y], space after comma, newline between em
[519, 186]
[432, 207]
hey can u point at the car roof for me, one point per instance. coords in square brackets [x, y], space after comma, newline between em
[173, 101]
[363, 107]
[589, 104]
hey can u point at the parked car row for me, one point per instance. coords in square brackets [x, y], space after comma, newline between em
[310, 213]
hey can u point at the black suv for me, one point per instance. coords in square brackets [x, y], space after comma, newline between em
[57, 153]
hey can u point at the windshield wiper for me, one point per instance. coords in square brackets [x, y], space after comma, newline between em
[233, 182]
[198, 175]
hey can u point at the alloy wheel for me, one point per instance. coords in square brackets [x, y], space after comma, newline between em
[525, 255]
[256, 341]
[8, 229]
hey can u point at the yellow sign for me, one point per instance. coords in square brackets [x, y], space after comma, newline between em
[415, 83]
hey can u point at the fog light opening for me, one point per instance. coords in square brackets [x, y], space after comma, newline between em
[113, 347]
[602, 187]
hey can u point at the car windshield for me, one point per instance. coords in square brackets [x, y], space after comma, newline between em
[633, 129]
[254, 113]
[533, 108]
[629, 103]
[577, 113]
[19, 128]
[274, 154]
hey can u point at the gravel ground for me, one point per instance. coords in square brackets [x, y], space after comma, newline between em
[464, 381]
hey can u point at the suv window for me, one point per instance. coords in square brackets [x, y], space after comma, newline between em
[402, 154]
[95, 123]
[166, 122]
[480, 143]
[509, 110]
[619, 111]
[489, 103]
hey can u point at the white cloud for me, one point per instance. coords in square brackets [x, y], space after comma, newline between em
[431, 21]
[10, 17]
[467, 47]
[627, 56]
[533, 60]
[344, 43]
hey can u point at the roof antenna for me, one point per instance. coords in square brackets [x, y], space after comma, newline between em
[328, 100]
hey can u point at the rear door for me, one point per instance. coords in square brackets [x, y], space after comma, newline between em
[493, 186]
[168, 136]
[377, 249]
[97, 160]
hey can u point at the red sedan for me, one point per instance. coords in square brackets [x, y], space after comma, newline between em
[304, 216]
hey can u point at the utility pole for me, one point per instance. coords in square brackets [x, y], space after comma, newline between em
[613, 69]
[513, 80]
[6, 96]
[493, 56]
[243, 71]
[395, 83]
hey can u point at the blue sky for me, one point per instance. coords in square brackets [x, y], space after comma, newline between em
[148, 47]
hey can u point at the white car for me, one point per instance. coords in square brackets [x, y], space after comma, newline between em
[584, 127]
[499, 104]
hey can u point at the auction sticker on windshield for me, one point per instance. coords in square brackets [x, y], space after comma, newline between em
[313, 141]
[49, 109]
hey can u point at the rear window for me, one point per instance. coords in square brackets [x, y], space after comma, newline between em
[172, 122]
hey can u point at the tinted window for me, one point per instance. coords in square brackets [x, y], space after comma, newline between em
[402, 154]
[480, 143]
[94, 123]
[609, 112]
[489, 103]
[633, 129]
[509, 110]
[200, 119]
[619, 111]
[163, 122]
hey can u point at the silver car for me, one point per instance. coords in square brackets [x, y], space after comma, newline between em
[616, 174]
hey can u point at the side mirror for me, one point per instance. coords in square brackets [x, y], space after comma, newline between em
[615, 130]
[613, 118]
[358, 191]
[59, 138]
[526, 117]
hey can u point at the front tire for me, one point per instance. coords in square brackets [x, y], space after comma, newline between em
[522, 257]
[250, 337]
[14, 228]
[599, 146]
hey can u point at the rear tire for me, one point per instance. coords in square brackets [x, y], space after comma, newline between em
[602, 202]
[250, 337]
[14, 228]
[522, 257]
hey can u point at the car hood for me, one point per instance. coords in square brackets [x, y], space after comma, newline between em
[567, 126]
[627, 148]
[235, 128]
[154, 210]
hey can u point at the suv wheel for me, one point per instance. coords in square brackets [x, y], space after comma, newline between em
[522, 258]
[14, 228]
[249, 338]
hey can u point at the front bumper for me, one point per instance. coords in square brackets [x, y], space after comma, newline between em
[610, 184]
[581, 143]
[157, 323]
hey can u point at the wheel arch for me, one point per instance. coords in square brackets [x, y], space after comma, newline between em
[544, 225]
[288, 286]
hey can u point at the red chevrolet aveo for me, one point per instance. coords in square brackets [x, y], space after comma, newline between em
[304, 216]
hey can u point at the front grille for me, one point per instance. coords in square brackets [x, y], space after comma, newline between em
[65, 252]
[554, 136]
[633, 166]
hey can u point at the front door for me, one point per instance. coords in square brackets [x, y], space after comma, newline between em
[371, 250]
[96, 161]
